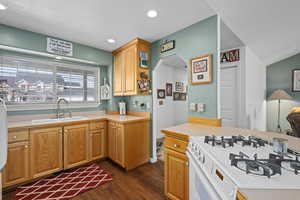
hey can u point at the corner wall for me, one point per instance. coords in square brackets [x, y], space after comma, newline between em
[255, 91]
[279, 76]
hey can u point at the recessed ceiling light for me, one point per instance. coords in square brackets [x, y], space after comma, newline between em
[58, 58]
[152, 13]
[111, 40]
[2, 7]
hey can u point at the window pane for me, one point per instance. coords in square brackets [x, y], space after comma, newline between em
[91, 87]
[24, 80]
[76, 86]
[8, 77]
[62, 81]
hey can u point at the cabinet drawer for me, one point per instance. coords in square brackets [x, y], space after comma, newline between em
[17, 136]
[97, 125]
[175, 144]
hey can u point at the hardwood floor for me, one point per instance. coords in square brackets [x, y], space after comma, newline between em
[143, 183]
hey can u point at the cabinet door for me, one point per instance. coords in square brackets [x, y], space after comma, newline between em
[98, 144]
[17, 166]
[111, 141]
[176, 175]
[46, 151]
[118, 74]
[130, 70]
[76, 145]
[119, 145]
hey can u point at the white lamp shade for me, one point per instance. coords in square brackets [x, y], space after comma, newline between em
[280, 95]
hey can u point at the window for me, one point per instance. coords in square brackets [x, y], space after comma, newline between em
[33, 81]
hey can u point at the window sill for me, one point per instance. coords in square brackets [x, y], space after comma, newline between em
[23, 107]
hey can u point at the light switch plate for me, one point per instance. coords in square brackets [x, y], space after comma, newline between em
[192, 107]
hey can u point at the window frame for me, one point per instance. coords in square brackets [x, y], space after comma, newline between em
[55, 64]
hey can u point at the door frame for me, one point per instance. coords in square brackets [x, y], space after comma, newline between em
[240, 65]
[154, 107]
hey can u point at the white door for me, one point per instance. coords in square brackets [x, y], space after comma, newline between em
[229, 96]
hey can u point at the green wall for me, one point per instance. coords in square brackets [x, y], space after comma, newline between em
[279, 76]
[15, 37]
[195, 40]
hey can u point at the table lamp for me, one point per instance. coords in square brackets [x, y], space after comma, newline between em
[279, 95]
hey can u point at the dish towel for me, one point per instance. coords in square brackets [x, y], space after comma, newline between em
[3, 134]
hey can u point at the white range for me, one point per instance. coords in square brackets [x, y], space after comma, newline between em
[238, 168]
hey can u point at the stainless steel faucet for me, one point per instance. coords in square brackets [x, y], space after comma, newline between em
[61, 113]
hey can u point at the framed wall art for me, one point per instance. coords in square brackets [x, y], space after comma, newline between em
[176, 96]
[179, 86]
[201, 69]
[296, 80]
[169, 89]
[161, 94]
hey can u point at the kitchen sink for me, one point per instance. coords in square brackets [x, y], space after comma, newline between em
[55, 120]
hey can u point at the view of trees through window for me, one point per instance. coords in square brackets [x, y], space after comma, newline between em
[24, 80]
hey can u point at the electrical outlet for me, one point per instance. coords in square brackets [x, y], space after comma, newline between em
[200, 107]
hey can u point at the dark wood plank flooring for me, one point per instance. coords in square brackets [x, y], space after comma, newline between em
[142, 183]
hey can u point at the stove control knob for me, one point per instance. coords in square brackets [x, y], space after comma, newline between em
[202, 159]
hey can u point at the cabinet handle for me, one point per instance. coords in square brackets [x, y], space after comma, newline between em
[176, 145]
[15, 137]
[26, 146]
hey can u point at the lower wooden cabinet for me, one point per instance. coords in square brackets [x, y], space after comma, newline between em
[176, 175]
[17, 166]
[76, 145]
[129, 143]
[98, 144]
[116, 143]
[46, 151]
[38, 152]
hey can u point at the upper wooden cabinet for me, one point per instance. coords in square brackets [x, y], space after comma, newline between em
[46, 151]
[76, 145]
[127, 68]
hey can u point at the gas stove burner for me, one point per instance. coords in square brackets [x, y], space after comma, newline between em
[262, 167]
[221, 141]
[254, 141]
[286, 161]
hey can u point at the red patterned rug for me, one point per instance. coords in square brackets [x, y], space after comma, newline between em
[65, 185]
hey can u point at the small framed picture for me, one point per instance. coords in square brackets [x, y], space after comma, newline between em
[179, 86]
[201, 69]
[296, 80]
[176, 96]
[182, 96]
[161, 93]
[169, 89]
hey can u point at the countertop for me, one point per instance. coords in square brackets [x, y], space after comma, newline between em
[17, 122]
[184, 131]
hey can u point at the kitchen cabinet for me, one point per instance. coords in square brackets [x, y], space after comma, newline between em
[116, 143]
[39, 151]
[176, 173]
[98, 140]
[46, 151]
[127, 68]
[129, 143]
[17, 166]
[76, 145]
[176, 160]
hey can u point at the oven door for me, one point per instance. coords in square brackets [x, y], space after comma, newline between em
[200, 186]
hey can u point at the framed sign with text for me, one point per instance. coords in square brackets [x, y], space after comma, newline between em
[59, 47]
